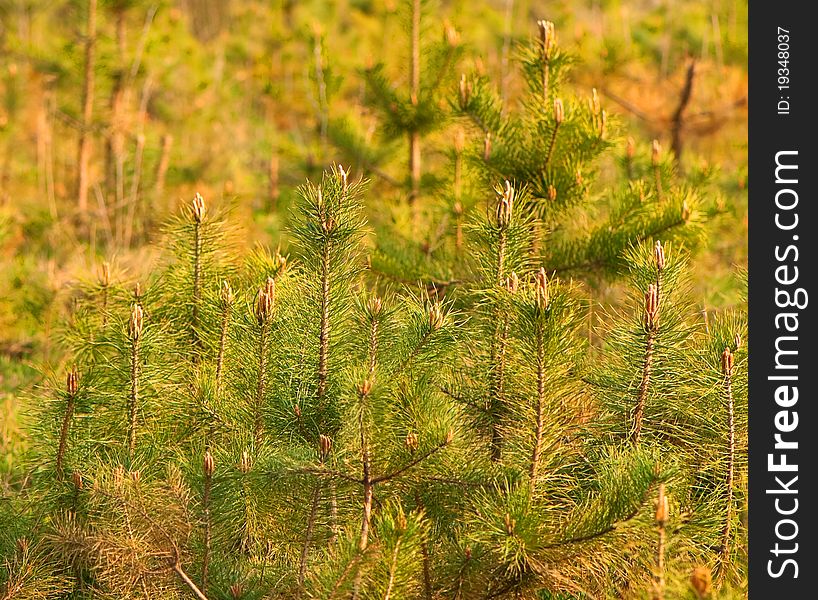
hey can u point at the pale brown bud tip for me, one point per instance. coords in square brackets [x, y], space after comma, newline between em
[227, 296]
[465, 92]
[459, 140]
[375, 306]
[435, 316]
[512, 282]
[324, 446]
[364, 388]
[450, 436]
[505, 204]
[662, 510]
[198, 208]
[105, 275]
[297, 411]
[343, 175]
[236, 591]
[630, 148]
[659, 256]
[541, 289]
[245, 463]
[451, 34]
[701, 580]
[209, 464]
[72, 381]
[552, 192]
[411, 441]
[548, 38]
[510, 524]
[559, 111]
[76, 479]
[727, 361]
[23, 545]
[265, 301]
[655, 152]
[135, 322]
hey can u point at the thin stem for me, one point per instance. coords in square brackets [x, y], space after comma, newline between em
[262, 381]
[535, 455]
[647, 369]
[222, 349]
[659, 576]
[497, 352]
[724, 551]
[392, 570]
[134, 397]
[552, 144]
[208, 483]
[197, 286]
[66, 424]
[324, 331]
[305, 550]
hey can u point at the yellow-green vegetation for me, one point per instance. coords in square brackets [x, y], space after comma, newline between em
[396, 299]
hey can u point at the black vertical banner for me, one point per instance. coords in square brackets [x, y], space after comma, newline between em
[783, 236]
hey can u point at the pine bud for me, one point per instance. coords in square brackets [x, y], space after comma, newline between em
[23, 545]
[457, 208]
[137, 291]
[76, 479]
[465, 92]
[236, 591]
[364, 388]
[451, 34]
[119, 476]
[737, 341]
[411, 441]
[459, 140]
[135, 322]
[652, 307]
[596, 107]
[227, 296]
[198, 208]
[662, 510]
[105, 275]
[342, 175]
[578, 176]
[685, 211]
[659, 256]
[655, 152]
[435, 316]
[487, 147]
[603, 120]
[279, 262]
[245, 463]
[552, 192]
[541, 290]
[324, 446]
[401, 524]
[512, 282]
[467, 552]
[374, 305]
[265, 301]
[548, 38]
[297, 411]
[135, 476]
[559, 113]
[72, 380]
[510, 524]
[209, 464]
[449, 436]
[504, 207]
[630, 148]
[701, 579]
[727, 360]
